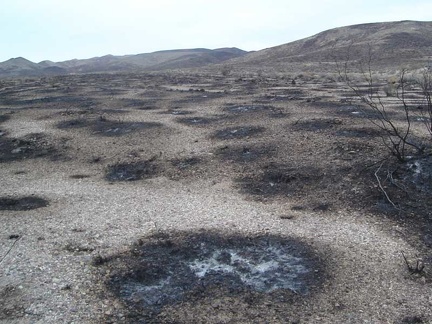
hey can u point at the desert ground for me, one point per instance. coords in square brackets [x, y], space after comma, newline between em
[203, 198]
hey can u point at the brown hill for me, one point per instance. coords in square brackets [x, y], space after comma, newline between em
[19, 66]
[162, 60]
[392, 45]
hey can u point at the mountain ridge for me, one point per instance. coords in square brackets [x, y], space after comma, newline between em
[159, 60]
[393, 45]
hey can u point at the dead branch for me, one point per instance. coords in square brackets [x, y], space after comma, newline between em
[10, 249]
[399, 140]
[382, 188]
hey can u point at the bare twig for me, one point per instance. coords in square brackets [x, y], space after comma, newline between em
[10, 249]
[382, 188]
[374, 163]
[298, 120]
[400, 140]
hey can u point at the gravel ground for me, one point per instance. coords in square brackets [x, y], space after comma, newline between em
[48, 272]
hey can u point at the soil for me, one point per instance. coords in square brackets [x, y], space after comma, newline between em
[198, 198]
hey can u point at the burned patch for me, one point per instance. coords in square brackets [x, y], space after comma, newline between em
[4, 118]
[289, 96]
[280, 180]
[22, 203]
[356, 111]
[186, 163]
[73, 123]
[278, 113]
[177, 112]
[349, 149]
[132, 171]
[11, 304]
[316, 124]
[51, 101]
[111, 111]
[201, 97]
[245, 154]
[359, 132]
[352, 110]
[79, 176]
[411, 320]
[238, 132]
[138, 104]
[417, 173]
[110, 91]
[117, 128]
[165, 270]
[106, 127]
[246, 108]
[78, 248]
[195, 121]
[30, 146]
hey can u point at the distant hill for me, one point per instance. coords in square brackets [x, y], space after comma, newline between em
[392, 44]
[162, 60]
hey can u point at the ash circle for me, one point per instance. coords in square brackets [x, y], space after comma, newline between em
[166, 269]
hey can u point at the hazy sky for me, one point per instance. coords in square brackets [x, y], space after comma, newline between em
[59, 30]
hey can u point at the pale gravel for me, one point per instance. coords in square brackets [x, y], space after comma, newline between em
[368, 274]
[368, 283]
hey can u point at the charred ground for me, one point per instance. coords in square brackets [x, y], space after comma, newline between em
[297, 149]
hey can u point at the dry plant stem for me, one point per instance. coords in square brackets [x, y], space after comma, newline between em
[397, 139]
[382, 188]
[426, 86]
[10, 249]
[394, 182]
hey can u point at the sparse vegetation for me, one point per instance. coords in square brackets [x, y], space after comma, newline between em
[402, 134]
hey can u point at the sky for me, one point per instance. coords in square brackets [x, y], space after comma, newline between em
[60, 30]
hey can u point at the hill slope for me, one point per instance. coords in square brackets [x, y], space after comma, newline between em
[393, 44]
[162, 60]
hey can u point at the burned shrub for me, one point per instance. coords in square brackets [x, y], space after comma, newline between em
[167, 269]
[132, 171]
[22, 203]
